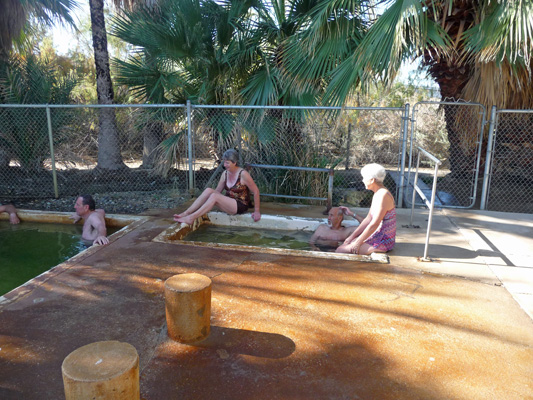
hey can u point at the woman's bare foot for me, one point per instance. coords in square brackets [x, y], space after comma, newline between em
[183, 214]
[185, 220]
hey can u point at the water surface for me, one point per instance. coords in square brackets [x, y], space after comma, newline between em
[244, 236]
[30, 248]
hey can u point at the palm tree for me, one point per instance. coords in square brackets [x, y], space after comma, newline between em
[186, 50]
[14, 18]
[24, 132]
[16, 13]
[109, 157]
[476, 50]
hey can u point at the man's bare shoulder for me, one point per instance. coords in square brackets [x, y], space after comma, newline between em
[96, 217]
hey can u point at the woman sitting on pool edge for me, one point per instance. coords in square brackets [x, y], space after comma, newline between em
[377, 232]
[238, 184]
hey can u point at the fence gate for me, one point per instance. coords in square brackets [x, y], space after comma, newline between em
[452, 132]
[510, 186]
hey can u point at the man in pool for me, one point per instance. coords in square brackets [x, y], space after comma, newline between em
[94, 229]
[12, 211]
[334, 233]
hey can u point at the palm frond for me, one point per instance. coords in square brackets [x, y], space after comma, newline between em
[506, 32]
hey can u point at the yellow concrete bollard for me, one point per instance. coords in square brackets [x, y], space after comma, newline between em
[188, 307]
[102, 371]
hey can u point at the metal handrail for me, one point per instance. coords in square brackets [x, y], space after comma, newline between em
[330, 171]
[429, 204]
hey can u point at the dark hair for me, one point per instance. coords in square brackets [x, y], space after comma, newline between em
[88, 200]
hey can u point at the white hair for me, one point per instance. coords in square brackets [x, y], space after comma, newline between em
[374, 171]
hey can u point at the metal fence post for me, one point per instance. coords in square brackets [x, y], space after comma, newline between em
[488, 159]
[405, 130]
[330, 189]
[52, 155]
[189, 145]
[348, 141]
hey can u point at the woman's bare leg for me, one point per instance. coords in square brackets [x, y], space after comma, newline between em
[346, 248]
[199, 202]
[365, 249]
[224, 203]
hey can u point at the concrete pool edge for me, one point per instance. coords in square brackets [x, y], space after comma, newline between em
[176, 232]
[128, 223]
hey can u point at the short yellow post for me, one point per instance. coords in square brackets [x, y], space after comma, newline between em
[102, 371]
[188, 307]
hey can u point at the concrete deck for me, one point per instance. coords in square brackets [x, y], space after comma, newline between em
[287, 327]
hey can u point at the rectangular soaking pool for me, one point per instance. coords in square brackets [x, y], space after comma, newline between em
[274, 234]
[42, 241]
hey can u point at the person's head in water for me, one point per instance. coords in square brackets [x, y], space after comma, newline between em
[335, 217]
[84, 204]
[230, 158]
[373, 171]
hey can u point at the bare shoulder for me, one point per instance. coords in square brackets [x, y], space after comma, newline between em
[383, 199]
[322, 227]
[97, 217]
[246, 178]
[245, 174]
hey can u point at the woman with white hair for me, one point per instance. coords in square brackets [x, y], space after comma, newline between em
[238, 185]
[377, 232]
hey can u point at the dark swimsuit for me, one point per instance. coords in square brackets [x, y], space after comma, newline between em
[240, 193]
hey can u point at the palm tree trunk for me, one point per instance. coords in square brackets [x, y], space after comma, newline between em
[452, 77]
[109, 156]
[153, 135]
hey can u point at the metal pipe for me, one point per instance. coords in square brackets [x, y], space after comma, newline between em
[189, 145]
[405, 129]
[92, 105]
[286, 167]
[488, 159]
[297, 107]
[430, 156]
[329, 203]
[476, 170]
[413, 121]
[330, 171]
[52, 155]
[348, 142]
[196, 106]
[287, 196]
[414, 189]
[432, 205]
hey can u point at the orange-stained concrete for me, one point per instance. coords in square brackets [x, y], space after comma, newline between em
[282, 327]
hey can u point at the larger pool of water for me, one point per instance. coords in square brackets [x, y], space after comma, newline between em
[31, 248]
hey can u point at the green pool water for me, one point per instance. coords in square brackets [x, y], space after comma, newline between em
[274, 238]
[30, 248]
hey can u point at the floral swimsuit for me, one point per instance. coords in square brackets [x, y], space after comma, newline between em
[240, 193]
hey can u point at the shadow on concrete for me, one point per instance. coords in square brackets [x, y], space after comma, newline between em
[435, 250]
[251, 343]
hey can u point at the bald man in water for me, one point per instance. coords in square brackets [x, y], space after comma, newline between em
[334, 233]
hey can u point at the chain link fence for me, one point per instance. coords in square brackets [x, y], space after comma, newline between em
[452, 132]
[48, 152]
[510, 182]
[339, 139]
[166, 153]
